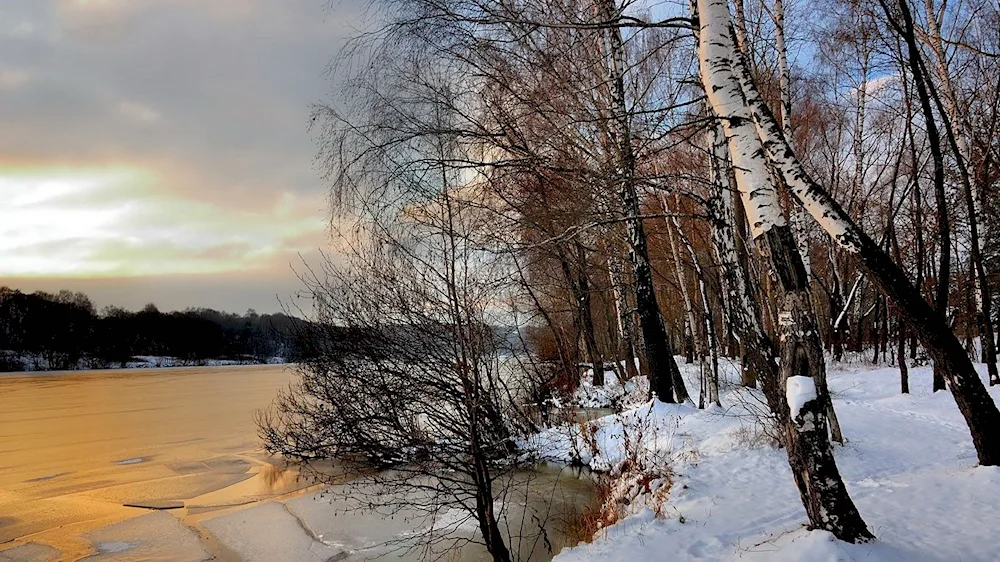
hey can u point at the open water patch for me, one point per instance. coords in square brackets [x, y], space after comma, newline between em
[46, 477]
[115, 546]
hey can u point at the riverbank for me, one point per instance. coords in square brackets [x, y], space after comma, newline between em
[728, 494]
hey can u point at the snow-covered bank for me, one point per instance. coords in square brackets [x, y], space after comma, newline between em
[613, 394]
[908, 463]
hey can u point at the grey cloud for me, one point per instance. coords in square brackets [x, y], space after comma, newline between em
[222, 92]
[214, 95]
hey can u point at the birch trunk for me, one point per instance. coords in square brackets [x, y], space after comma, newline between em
[800, 224]
[799, 220]
[745, 312]
[712, 343]
[930, 326]
[810, 453]
[960, 130]
[664, 376]
[690, 324]
[741, 25]
[757, 353]
[622, 317]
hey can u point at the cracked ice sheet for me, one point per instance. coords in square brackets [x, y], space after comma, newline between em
[369, 536]
[156, 536]
[30, 552]
[269, 532]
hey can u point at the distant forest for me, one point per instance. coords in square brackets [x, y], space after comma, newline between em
[45, 331]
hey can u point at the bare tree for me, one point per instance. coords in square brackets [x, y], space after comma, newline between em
[970, 395]
[418, 385]
[802, 367]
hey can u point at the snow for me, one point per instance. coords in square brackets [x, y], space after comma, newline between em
[604, 444]
[798, 391]
[612, 394]
[908, 463]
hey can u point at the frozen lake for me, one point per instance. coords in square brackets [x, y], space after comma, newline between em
[165, 464]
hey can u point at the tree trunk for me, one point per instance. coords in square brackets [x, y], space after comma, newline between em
[579, 287]
[741, 25]
[693, 341]
[488, 526]
[799, 220]
[803, 415]
[918, 212]
[622, 317]
[744, 313]
[932, 330]
[904, 372]
[908, 34]
[587, 316]
[711, 343]
[962, 145]
[664, 376]
[876, 335]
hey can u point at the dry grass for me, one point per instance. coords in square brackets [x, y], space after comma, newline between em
[755, 436]
[582, 522]
[615, 498]
[642, 480]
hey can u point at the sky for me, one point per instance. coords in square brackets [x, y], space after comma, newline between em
[158, 151]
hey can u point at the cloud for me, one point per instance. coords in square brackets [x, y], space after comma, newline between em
[11, 78]
[171, 135]
[138, 112]
[122, 222]
[228, 83]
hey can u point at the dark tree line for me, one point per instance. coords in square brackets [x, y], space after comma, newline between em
[65, 331]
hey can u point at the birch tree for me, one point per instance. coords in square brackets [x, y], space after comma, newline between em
[803, 416]
[665, 378]
[960, 132]
[757, 358]
[929, 325]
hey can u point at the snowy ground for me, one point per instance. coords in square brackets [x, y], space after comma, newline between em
[908, 463]
[612, 394]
